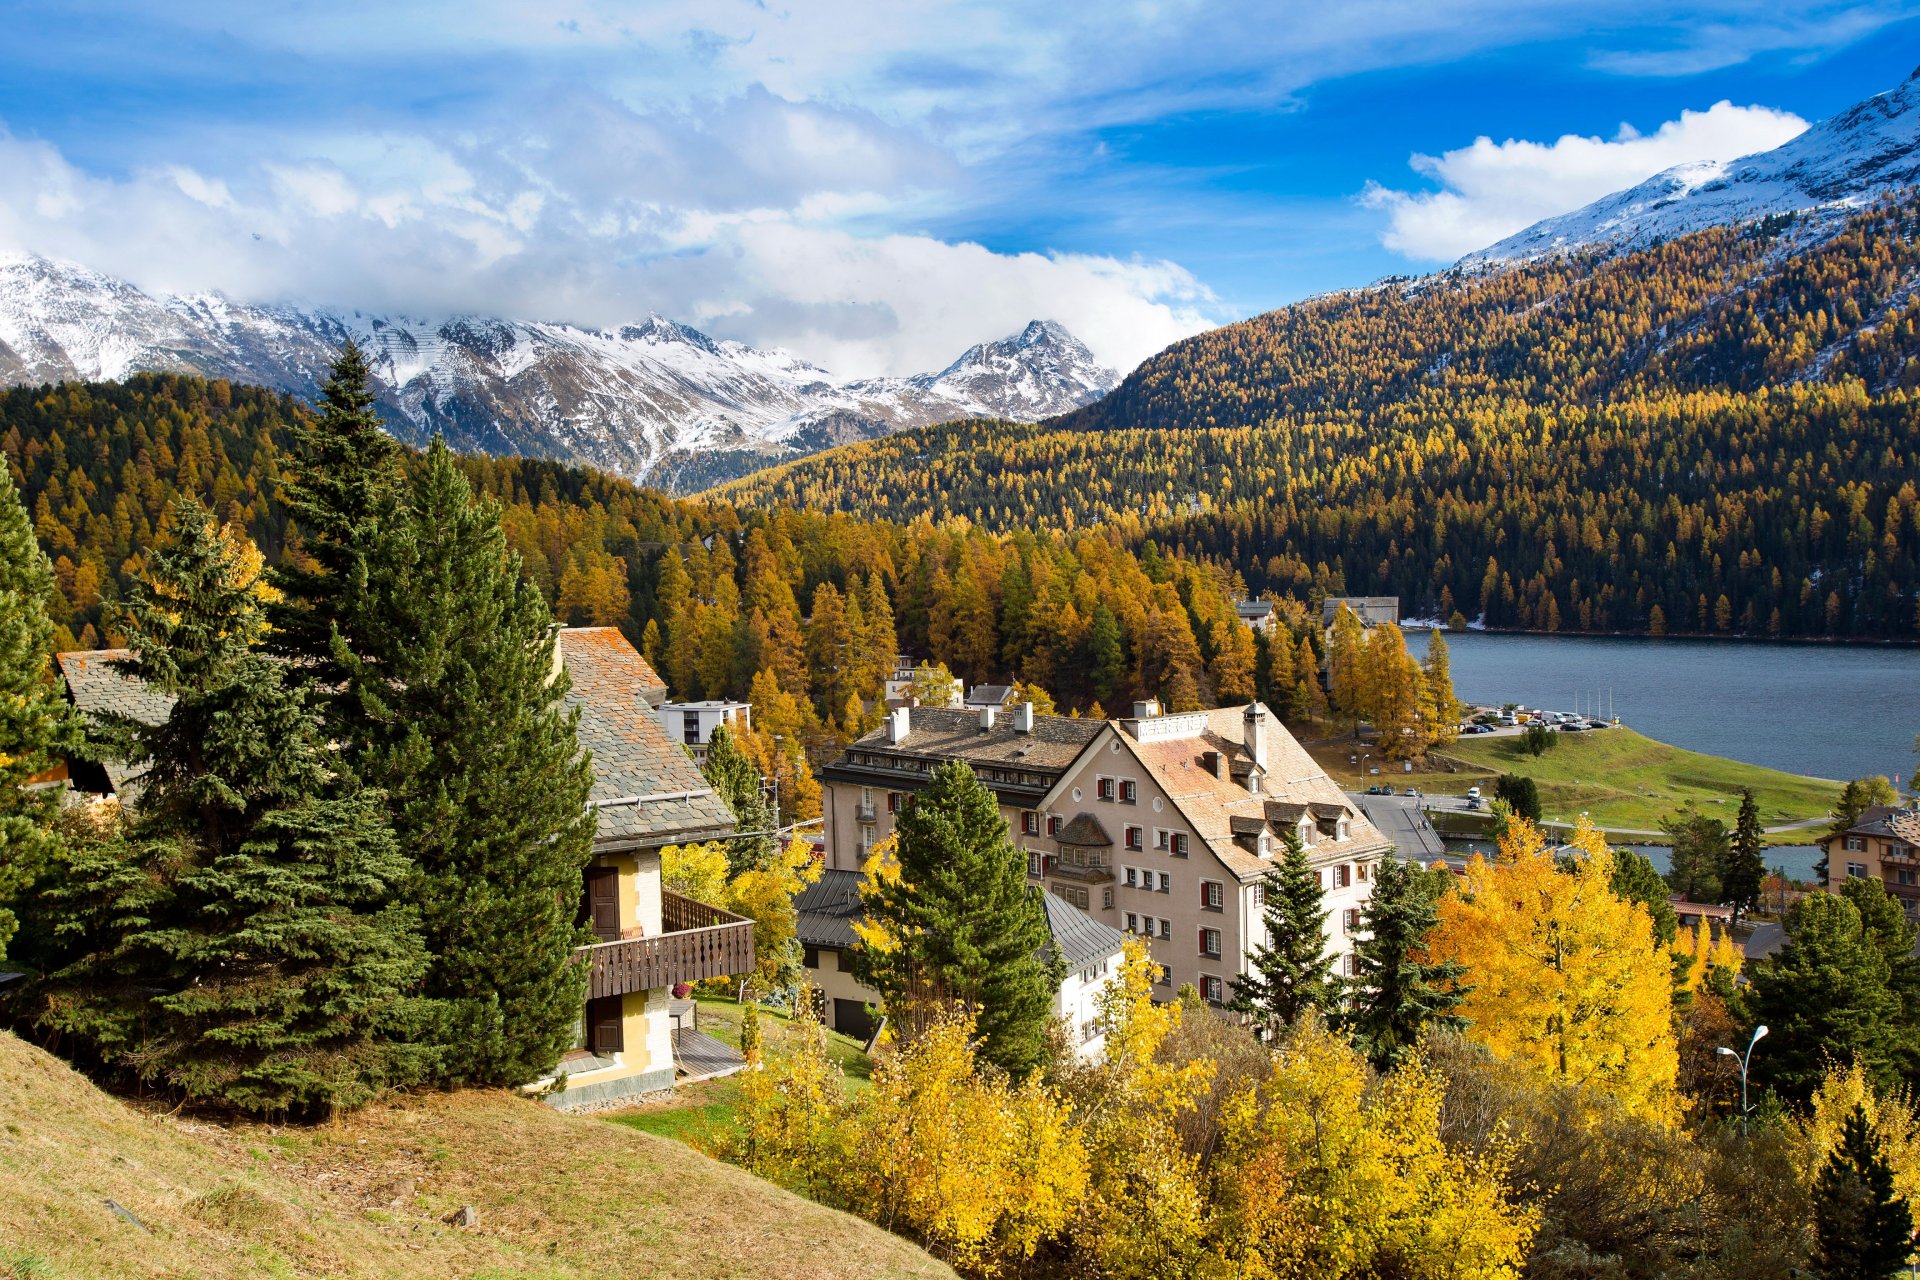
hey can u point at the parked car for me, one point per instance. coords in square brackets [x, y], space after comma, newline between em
[1573, 728]
[1473, 802]
[1473, 793]
[1411, 791]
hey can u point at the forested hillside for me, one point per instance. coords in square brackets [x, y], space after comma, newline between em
[802, 611]
[1715, 434]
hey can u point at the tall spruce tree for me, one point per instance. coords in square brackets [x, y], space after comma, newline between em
[970, 930]
[245, 944]
[454, 709]
[341, 472]
[739, 783]
[1745, 866]
[1863, 1228]
[1394, 995]
[1699, 850]
[1292, 973]
[36, 724]
[1826, 996]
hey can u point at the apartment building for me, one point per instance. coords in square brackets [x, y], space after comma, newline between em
[1017, 754]
[1882, 844]
[1158, 825]
[693, 723]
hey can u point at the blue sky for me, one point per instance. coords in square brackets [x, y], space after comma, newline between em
[871, 183]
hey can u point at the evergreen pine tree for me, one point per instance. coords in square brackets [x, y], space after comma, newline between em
[36, 724]
[1863, 1228]
[457, 713]
[970, 930]
[1106, 655]
[1699, 850]
[341, 472]
[1825, 995]
[246, 944]
[1394, 996]
[1636, 879]
[1292, 972]
[739, 783]
[1521, 794]
[1745, 866]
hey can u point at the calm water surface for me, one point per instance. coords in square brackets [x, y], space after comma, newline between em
[1830, 711]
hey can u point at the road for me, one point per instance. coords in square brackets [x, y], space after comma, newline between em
[1401, 821]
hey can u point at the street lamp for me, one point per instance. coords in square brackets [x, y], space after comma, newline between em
[1743, 1059]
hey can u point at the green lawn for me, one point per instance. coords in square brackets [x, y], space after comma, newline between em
[703, 1114]
[1625, 781]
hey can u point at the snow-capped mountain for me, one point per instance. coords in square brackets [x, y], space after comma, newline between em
[643, 400]
[1836, 165]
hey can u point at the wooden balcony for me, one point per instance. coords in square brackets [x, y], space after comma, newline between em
[698, 941]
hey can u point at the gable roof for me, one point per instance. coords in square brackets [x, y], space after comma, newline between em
[646, 788]
[1292, 786]
[98, 690]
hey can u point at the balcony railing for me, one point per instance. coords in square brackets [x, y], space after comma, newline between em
[698, 941]
[864, 813]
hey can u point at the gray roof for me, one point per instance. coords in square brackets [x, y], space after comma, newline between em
[1079, 938]
[99, 690]
[1085, 830]
[989, 695]
[647, 789]
[828, 908]
[952, 733]
[1884, 820]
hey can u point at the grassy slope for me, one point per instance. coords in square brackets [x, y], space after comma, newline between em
[703, 1114]
[1624, 780]
[558, 1197]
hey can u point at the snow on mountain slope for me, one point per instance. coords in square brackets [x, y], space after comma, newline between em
[1839, 164]
[627, 400]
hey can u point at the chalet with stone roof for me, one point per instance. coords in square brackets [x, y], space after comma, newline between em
[647, 793]
[1882, 844]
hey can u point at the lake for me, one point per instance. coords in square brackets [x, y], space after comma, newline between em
[1796, 860]
[1828, 711]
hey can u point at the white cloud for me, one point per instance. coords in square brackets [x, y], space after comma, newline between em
[1490, 190]
[509, 227]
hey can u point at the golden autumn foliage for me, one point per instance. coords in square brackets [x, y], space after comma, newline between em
[1894, 1115]
[1562, 974]
[1322, 1175]
[980, 1170]
[762, 894]
[1702, 951]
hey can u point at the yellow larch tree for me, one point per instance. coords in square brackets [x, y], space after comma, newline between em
[1357, 1181]
[1702, 952]
[1560, 972]
[1893, 1114]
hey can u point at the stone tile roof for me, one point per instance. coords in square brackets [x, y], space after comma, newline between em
[603, 655]
[1292, 786]
[827, 909]
[99, 691]
[951, 733]
[1886, 820]
[646, 788]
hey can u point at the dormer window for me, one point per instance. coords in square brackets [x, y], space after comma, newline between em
[1266, 845]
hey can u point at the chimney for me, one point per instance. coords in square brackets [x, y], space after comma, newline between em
[1023, 717]
[899, 724]
[1256, 733]
[1211, 761]
[986, 719]
[1147, 709]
